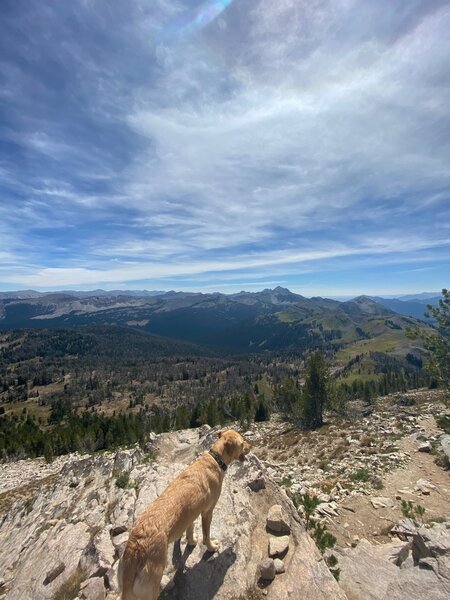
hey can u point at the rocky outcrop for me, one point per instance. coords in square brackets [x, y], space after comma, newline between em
[73, 528]
[416, 567]
[445, 446]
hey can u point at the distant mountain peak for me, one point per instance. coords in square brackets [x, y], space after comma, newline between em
[363, 298]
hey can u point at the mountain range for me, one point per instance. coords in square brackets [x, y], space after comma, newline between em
[273, 319]
[413, 307]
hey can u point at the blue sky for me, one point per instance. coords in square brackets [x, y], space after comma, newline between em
[225, 145]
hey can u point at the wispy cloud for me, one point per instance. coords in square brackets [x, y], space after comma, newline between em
[265, 137]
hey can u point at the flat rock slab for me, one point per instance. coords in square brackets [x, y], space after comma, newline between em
[370, 572]
[380, 502]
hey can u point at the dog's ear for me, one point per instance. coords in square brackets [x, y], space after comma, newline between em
[222, 431]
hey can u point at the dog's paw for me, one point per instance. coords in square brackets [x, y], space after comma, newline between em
[192, 542]
[213, 545]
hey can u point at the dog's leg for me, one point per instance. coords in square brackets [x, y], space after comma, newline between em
[212, 545]
[190, 537]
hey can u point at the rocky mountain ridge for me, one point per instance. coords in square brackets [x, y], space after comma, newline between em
[268, 320]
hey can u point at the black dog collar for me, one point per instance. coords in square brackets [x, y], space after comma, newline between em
[218, 460]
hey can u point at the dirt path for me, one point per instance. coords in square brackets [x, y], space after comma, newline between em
[359, 519]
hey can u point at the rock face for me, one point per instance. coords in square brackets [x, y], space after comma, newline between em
[74, 534]
[401, 570]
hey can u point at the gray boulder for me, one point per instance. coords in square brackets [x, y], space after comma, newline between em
[371, 572]
[445, 445]
[267, 569]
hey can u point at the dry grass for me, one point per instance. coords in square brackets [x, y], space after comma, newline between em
[25, 493]
[338, 451]
[327, 485]
[70, 588]
[253, 593]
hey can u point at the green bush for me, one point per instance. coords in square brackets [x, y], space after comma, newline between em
[361, 475]
[324, 539]
[411, 511]
[123, 480]
[443, 421]
[309, 504]
[287, 481]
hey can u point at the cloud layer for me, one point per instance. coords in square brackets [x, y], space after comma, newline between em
[208, 145]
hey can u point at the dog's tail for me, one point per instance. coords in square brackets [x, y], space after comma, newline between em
[140, 571]
[126, 576]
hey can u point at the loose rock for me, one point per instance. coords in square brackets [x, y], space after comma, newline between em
[277, 520]
[267, 569]
[278, 545]
[279, 566]
[380, 502]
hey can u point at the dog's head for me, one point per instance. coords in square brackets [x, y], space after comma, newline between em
[235, 447]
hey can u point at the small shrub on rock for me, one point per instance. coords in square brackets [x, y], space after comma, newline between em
[123, 480]
[411, 511]
[324, 539]
[308, 503]
[361, 475]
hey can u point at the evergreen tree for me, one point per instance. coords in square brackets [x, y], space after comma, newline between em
[437, 341]
[262, 412]
[315, 391]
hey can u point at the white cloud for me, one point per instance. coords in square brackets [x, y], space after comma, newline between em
[134, 271]
[291, 132]
[342, 127]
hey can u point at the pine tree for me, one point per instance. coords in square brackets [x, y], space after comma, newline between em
[437, 342]
[315, 391]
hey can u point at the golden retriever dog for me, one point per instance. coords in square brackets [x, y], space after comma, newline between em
[194, 492]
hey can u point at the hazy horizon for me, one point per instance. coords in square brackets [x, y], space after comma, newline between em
[424, 294]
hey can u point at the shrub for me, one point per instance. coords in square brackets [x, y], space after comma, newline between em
[411, 511]
[308, 503]
[443, 421]
[287, 481]
[149, 456]
[406, 401]
[361, 475]
[123, 480]
[324, 539]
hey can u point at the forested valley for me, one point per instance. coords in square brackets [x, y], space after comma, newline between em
[99, 387]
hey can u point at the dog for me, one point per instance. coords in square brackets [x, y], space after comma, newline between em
[194, 492]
